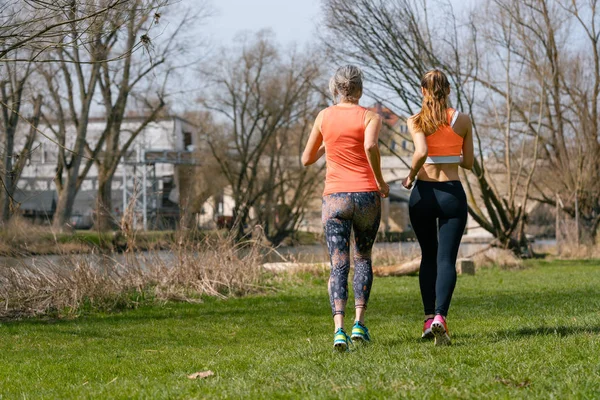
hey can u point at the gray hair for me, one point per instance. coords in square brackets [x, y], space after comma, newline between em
[346, 83]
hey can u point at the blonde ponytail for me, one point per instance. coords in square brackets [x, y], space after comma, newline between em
[435, 102]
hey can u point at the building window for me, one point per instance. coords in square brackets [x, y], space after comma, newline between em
[35, 156]
[187, 139]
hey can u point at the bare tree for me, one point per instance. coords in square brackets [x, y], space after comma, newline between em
[261, 96]
[71, 87]
[39, 25]
[72, 82]
[135, 77]
[288, 187]
[395, 44]
[555, 45]
[13, 83]
[59, 34]
[198, 183]
[562, 58]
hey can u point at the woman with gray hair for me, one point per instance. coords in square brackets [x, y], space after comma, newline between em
[348, 135]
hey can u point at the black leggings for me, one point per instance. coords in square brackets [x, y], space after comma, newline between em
[438, 214]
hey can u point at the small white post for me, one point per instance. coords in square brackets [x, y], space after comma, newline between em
[385, 217]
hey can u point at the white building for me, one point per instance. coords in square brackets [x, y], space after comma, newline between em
[152, 157]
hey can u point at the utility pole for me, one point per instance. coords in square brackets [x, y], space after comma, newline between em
[559, 204]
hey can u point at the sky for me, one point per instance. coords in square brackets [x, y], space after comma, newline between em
[290, 20]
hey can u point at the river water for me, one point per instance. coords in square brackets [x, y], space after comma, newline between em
[305, 253]
[318, 252]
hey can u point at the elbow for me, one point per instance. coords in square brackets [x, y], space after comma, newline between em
[371, 147]
[467, 164]
[420, 155]
[306, 160]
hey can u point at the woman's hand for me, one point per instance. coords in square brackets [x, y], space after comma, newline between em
[384, 189]
[408, 182]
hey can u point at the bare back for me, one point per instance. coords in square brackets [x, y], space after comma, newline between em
[449, 172]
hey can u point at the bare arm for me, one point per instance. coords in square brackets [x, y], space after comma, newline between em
[467, 158]
[371, 144]
[419, 156]
[314, 147]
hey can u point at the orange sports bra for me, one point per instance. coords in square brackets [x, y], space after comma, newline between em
[444, 146]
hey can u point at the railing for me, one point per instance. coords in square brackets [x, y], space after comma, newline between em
[176, 157]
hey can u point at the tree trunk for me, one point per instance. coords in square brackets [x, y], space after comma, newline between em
[105, 220]
[64, 205]
[8, 173]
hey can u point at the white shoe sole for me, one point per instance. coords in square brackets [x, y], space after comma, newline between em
[427, 334]
[340, 346]
[359, 339]
[440, 334]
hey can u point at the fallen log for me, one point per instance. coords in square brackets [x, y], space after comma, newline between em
[408, 268]
[464, 266]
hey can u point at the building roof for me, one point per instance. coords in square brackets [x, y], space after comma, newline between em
[389, 117]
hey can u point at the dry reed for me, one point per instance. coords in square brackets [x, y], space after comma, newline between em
[72, 284]
[67, 285]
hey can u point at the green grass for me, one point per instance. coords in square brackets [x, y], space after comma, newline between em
[106, 240]
[533, 333]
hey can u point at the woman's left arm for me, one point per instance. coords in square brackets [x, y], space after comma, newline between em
[468, 158]
[314, 147]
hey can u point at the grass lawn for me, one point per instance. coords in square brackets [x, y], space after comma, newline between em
[533, 333]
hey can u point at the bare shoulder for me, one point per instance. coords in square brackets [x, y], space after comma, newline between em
[463, 123]
[322, 113]
[320, 116]
[462, 126]
[410, 123]
[371, 115]
[463, 119]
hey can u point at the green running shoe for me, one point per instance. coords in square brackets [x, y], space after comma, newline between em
[341, 341]
[360, 333]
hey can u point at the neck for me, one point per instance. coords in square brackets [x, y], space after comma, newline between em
[349, 102]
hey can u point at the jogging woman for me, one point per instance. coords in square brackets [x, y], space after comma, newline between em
[348, 134]
[438, 205]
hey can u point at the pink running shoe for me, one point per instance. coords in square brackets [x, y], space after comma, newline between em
[427, 333]
[440, 331]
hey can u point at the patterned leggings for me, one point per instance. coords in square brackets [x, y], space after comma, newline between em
[341, 213]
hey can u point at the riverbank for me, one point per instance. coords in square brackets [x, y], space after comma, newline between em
[28, 241]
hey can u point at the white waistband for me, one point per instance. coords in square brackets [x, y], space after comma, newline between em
[442, 160]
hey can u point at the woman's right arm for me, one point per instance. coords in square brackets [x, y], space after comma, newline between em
[468, 156]
[314, 147]
[419, 156]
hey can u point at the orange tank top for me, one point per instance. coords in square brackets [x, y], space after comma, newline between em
[348, 168]
[444, 146]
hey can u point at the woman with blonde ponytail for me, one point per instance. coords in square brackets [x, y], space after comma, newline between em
[438, 205]
[348, 136]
